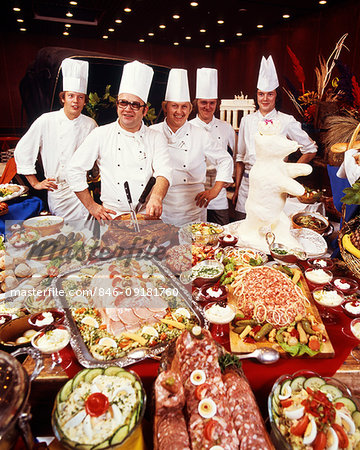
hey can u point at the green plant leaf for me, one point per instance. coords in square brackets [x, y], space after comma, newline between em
[352, 194]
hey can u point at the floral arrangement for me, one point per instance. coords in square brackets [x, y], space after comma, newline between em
[306, 101]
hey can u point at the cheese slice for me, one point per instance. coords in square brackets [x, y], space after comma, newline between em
[173, 323]
[135, 337]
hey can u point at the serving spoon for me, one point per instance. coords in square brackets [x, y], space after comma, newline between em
[264, 355]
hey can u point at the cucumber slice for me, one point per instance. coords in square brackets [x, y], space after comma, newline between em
[356, 418]
[349, 404]
[104, 444]
[276, 393]
[285, 389]
[133, 420]
[331, 391]
[297, 383]
[79, 377]
[113, 371]
[92, 374]
[275, 406]
[314, 383]
[120, 435]
[66, 390]
[128, 375]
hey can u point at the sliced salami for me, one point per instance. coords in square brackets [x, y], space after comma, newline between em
[171, 432]
[169, 391]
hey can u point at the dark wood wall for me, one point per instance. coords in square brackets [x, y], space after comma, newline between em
[238, 65]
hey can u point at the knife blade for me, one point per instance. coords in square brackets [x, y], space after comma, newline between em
[132, 211]
[145, 193]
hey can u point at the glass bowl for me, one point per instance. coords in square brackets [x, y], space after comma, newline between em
[40, 320]
[317, 277]
[352, 308]
[346, 285]
[355, 328]
[204, 233]
[210, 293]
[226, 240]
[287, 388]
[321, 263]
[328, 296]
[208, 271]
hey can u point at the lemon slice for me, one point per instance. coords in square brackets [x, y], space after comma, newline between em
[182, 312]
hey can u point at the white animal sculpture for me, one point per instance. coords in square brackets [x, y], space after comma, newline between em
[270, 180]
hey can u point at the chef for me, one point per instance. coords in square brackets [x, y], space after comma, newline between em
[222, 132]
[125, 150]
[267, 95]
[55, 136]
[189, 149]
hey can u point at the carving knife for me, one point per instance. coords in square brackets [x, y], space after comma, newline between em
[145, 193]
[132, 211]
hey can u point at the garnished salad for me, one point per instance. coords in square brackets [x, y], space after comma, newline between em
[206, 228]
[314, 414]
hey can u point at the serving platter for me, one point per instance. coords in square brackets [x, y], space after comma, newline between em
[73, 309]
[15, 190]
[240, 345]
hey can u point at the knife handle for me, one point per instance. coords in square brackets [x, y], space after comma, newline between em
[127, 191]
[147, 189]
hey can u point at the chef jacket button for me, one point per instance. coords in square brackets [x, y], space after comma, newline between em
[186, 149]
[141, 168]
[140, 151]
[219, 137]
[184, 165]
[119, 148]
[142, 184]
[187, 134]
[184, 180]
[118, 165]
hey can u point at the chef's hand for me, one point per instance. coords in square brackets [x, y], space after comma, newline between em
[48, 184]
[235, 197]
[203, 198]
[154, 206]
[99, 212]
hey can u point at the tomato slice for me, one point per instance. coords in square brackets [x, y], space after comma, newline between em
[286, 403]
[201, 390]
[209, 429]
[96, 404]
[320, 441]
[341, 434]
[300, 427]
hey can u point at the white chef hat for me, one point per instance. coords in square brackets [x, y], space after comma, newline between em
[75, 75]
[268, 80]
[177, 89]
[136, 79]
[206, 83]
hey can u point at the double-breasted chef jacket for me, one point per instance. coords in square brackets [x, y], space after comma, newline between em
[189, 149]
[246, 153]
[121, 156]
[224, 134]
[55, 137]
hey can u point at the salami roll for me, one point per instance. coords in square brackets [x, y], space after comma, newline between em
[169, 392]
[171, 432]
[245, 414]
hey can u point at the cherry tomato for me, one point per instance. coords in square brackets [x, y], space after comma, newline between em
[200, 391]
[339, 405]
[209, 429]
[320, 441]
[300, 427]
[96, 404]
[341, 434]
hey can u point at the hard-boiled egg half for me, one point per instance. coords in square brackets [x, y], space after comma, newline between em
[151, 331]
[207, 408]
[107, 342]
[182, 312]
[346, 422]
[332, 440]
[91, 321]
[310, 433]
[294, 412]
[197, 377]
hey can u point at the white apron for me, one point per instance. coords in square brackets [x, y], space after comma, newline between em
[243, 193]
[63, 202]
[179, 206]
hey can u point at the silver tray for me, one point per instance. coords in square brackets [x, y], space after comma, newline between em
[81, 350]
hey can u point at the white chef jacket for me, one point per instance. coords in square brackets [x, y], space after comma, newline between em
[290, 127]
[56, 138]
[189, 149]
[121, 156]
[224, 134]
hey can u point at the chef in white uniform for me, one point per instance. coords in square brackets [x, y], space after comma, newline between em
[125, 150]
[189, 149]
[55, 136]
[222, 132]
[266, 98]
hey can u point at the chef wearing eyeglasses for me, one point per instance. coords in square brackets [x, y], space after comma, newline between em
[125, 150]
[189, 149]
